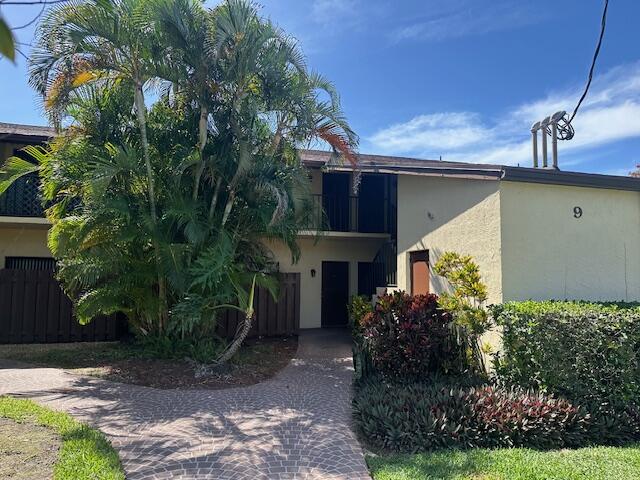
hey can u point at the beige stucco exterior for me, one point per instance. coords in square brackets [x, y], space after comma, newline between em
[524, 237]
[445, 214]
[342, 248]
[23, 240]
[547, 253]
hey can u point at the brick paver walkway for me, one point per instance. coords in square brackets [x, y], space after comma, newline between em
[296, 425]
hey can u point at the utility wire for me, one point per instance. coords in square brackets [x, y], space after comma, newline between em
[603, 25]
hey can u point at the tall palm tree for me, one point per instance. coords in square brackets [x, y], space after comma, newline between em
[187, 191]
[78, 43]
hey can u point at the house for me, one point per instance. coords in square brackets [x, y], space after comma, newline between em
[536, 233]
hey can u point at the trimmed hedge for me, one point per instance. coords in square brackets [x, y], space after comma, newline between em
[588, 353]
[425, 416]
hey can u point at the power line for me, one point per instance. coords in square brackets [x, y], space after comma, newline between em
[603, 25]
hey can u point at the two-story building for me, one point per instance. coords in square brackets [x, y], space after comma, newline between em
[535, 233]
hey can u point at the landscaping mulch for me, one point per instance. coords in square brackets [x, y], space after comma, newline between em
[27, 451]
[258, 360]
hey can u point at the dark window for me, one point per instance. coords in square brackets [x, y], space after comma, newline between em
[419, 269]
[30, 263]
[336, 200]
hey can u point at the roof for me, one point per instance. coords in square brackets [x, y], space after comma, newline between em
[14, 132]
[438, 168]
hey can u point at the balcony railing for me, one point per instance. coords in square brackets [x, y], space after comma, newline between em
[343, 214]
[385, 265]
[22, 199]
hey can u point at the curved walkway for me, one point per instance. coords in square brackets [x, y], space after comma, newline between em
[294, 426]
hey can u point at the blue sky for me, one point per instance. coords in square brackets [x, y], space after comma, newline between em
[461, 79]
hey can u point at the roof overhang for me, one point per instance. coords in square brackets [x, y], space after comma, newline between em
[13, 132]
[575, 179]
[464, 173]
[436, 168]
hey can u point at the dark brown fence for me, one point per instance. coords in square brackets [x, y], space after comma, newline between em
[271, 317]
[33, 309]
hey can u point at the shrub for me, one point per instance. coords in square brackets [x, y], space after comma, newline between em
[358, 307]
[426, 416]
[466, 304]
[409, 336]
[588, 353]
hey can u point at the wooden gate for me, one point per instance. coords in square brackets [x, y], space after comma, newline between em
[34, 309]
[271, 318]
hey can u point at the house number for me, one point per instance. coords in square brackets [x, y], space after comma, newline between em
[577, 212]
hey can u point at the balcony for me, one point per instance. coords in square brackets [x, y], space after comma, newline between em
[333, 213]
[22, 199]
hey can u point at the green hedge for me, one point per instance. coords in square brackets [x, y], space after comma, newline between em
[588, 353]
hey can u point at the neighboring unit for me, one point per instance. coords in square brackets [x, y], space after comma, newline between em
[535, 233]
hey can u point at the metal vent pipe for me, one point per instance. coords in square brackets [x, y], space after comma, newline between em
[548, 126]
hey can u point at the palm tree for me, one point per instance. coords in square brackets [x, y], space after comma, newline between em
[77, 43]
[187, 191]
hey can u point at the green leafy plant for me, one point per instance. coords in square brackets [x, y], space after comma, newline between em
[358, 307]
[409, 336]
[466, 304]
[162, 211]
[585, 352]
[463, 413]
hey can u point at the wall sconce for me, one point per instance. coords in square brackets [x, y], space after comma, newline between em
[313, 273]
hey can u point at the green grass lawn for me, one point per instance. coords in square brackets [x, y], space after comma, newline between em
[85, 452]
[596, 463]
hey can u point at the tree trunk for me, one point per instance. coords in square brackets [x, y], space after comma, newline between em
[214, 199]
[141, 112]
[237, 341]
[202, 142]
[244, 331]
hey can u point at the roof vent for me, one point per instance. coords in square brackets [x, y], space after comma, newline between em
[557, 127]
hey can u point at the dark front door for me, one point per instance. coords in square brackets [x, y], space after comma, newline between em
[335, 293]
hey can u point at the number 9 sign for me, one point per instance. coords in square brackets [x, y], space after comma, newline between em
[577, 212]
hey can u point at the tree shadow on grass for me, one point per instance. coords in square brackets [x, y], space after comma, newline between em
[441, 465]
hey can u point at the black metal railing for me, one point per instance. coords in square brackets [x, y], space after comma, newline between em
[343, 214]
[333, 213]
[385, 265]
[22, 199]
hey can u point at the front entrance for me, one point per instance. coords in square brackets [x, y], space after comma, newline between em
[335, 294]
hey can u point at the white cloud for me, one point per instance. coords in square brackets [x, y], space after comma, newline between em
[610, 113]
[436, 131]
[328, 12]
[464, 18]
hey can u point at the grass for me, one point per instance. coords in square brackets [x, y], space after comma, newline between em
[595, 463]
[85, 452]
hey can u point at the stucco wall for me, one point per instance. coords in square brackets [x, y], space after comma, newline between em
[547, 253]
[347, 249]
[23, 241]
[445, 214]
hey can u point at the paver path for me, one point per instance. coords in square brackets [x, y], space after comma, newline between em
[296, 425]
